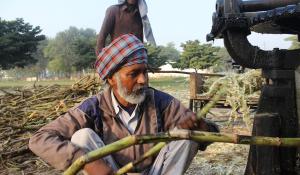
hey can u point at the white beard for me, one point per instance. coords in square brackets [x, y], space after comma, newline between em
[137, 95]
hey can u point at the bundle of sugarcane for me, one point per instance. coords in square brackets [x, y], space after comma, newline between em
[24, 111]
[239, 90]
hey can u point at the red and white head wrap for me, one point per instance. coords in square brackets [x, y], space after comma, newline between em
[125, 50]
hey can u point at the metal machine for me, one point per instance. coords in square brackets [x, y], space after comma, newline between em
[277, 113]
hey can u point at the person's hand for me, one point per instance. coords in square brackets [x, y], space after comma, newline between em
[98, 167]
[193, 124]
[200, 125]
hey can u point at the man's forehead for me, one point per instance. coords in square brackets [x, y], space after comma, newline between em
[134, 67]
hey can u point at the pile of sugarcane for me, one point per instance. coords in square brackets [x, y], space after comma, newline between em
[238, 89]
[24, 111]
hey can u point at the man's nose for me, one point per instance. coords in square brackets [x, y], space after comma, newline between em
[142, 78]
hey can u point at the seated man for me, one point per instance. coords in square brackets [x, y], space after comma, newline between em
[126, 106]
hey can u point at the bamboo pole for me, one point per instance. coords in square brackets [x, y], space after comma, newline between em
[198, 136]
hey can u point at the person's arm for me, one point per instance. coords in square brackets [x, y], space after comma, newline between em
[177, 115]
[52, 142]
[106, 28]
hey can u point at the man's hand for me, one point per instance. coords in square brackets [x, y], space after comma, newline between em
[201, 125]
[98, 167]
[193, 124]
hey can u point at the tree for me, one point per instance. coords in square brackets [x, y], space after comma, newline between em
[42, 61]
[18, 41]
[84, 46]
[155, 58]
[295, 42]
[197, 56]
[71, 50]
[170, 52]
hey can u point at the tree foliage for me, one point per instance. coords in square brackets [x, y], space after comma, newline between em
[42, 61]
[71, 50]
[155, 58]
[197, 56]
[170, 52]
[84, 46]
[18, 41]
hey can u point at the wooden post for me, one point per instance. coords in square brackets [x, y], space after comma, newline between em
[276, 116]
[196, 87]
[265, 158]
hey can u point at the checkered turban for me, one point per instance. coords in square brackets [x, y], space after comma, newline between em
[125, 50]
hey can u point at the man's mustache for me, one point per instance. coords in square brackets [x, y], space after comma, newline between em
[140, 88]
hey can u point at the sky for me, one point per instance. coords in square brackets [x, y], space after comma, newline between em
[174, 21]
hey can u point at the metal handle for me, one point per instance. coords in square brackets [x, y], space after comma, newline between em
[263, 5]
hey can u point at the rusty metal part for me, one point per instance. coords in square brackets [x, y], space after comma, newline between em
[279, 20]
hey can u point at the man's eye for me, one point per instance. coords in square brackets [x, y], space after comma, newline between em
[133, 74]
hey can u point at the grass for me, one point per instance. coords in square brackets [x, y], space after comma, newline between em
[179, 83]
[178, 87]
[175, 86]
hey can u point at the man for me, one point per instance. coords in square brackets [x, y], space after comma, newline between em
[127, 106]
[129, 16]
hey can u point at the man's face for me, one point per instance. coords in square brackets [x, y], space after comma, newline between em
[130, 83]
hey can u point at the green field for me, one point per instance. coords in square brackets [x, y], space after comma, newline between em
[180, 83]
[176, 86]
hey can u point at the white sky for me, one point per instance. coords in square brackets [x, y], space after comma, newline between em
[172, 20]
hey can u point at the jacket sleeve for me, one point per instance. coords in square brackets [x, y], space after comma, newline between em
[106, 28]
[52, 142]
[176, 111]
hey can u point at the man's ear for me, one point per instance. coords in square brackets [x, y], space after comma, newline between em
[111, 80]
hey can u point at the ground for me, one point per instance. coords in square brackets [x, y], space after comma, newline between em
[221, 159]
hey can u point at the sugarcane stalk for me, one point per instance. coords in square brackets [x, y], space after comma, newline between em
[197, 136]
[98, 153]
[211, 103]
[154, 150]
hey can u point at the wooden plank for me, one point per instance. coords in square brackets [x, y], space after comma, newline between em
[188, 73]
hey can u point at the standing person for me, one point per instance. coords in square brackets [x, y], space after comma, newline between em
[126, 106]
[129, 16]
